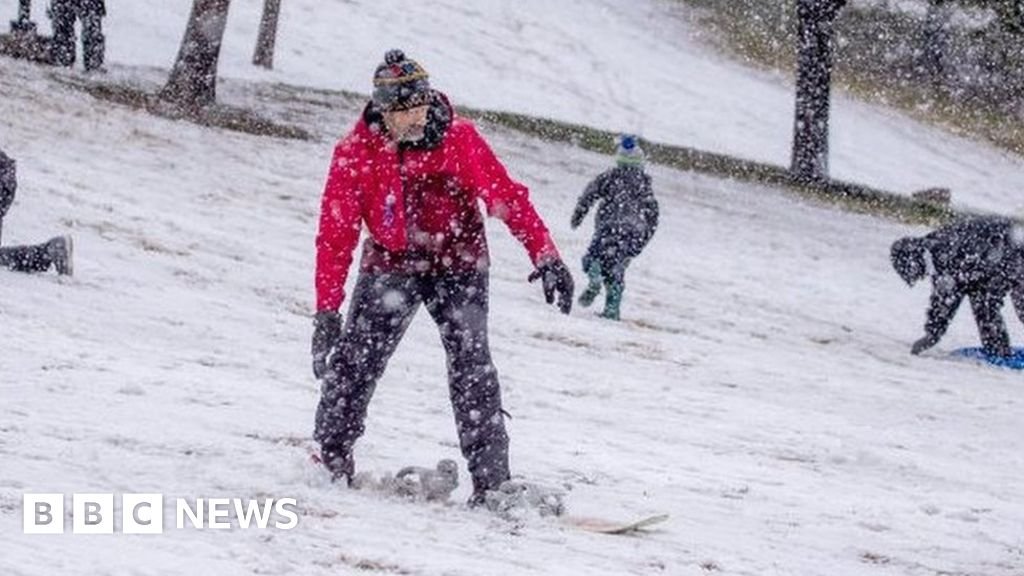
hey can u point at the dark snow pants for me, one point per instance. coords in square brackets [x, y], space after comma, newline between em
[90, 12]
[22, 258]
[382, 307]
[605, 264]
[26, 258]
[991, 328]
[612, 255]
[986, 304]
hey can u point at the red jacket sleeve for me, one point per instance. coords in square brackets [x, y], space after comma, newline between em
[340, 222]
[504, 198]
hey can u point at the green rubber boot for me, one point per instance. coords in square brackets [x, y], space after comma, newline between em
[594, 287]
[612, 300]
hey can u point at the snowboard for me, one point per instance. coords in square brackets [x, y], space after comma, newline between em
[1014, 362]
[602, 526]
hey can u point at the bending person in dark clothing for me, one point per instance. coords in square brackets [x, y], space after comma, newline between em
[627, 216]
[980, 258]
[56, 253]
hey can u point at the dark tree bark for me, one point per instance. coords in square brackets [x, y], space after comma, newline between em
[1008, 56]
[193, 80]
[815, 19]
[935, 42]
[1011, 15]
[264, 54]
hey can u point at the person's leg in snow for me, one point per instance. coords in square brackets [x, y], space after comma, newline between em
[613, 269]
[93, 41]
[55, 253]
[592, 268]
[62, 14]
[458, 303]
[992, 330]
[382, 307]
[601, 255]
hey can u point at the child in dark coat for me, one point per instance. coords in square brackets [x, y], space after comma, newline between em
[627, 216]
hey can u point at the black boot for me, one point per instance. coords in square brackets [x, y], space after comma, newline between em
[61, 251]
[340, 464]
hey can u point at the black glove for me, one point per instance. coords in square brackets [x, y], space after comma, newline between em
[922, 345]
[556, 278]
[577, 219]
[326, 333]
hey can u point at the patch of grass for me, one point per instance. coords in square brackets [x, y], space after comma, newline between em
[218, 115]
[977, 121]
[845, 195]
[26, 46]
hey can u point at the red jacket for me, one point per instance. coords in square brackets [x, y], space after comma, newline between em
[419, 206]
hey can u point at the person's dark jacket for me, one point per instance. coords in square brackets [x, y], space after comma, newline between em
[8, 183]
[627, 212]
[981, 258]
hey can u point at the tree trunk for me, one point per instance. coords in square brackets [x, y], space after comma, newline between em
[1008, 57]
[815, 19]
[935, 42]
[264, 54]
[1011, 15]
[193, 81]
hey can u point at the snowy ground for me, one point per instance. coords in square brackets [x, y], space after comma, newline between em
[760, 390]
[636, 66]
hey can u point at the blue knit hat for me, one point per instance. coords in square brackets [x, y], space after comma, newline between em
[400, 83]
[628, 151]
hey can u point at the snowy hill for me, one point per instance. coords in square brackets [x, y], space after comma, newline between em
[760, 390]
[634, 66]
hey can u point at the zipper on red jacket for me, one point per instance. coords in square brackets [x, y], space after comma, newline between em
[390, 201]
[401, 166]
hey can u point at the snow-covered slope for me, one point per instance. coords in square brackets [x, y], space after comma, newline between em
[760, 390]
[635, 66]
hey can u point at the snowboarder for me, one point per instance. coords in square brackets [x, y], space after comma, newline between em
[413, 171]
[91, 13]
[981, 258]
[55, 253]
[627, 216]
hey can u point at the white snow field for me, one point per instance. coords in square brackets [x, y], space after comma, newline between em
[760, 389]
[633, 65]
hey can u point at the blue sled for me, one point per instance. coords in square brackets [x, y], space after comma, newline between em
[1014, 361]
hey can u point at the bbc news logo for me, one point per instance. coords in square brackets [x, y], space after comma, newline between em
[144, 513]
